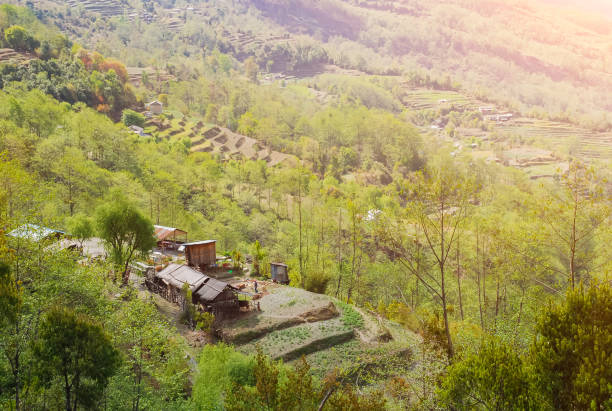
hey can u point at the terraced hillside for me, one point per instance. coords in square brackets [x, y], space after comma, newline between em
[12, 56]
[175, 18]
[588, 144]
[214, 139]
[563, 138]
[136, 73]
[106, 8]
[426, 99]
[294, 322]
[248, 42]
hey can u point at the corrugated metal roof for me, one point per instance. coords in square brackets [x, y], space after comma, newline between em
[201, 242]
[211, 289]
[163, 232]
[203, 287]
[177, 275]
[33, 232]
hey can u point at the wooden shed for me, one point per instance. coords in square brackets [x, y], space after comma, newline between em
[201, 254]
[280, 273]
[218, 298]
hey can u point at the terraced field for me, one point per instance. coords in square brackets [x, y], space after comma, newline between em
[214, 139]
[12, 56]
[135, 74]
[106, 8]
[295, 323]
[589, 144]
[561, 138]
[425, 99]
[244, 45]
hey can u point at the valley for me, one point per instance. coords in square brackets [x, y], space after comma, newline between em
[272, 205]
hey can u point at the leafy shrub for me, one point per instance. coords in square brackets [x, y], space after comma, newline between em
[317, 282]
[132, 118]
[205, 321]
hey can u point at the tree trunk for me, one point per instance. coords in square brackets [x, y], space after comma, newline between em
[459, 284]
[16, 373]
[478, 269]
[520, 313]
[442, 283]
[67, 393]
[302, 279]
[444, 311]
[339, 252]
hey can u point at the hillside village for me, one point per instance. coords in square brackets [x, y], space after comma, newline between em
[249, 311]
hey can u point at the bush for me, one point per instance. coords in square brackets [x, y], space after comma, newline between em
[317, 282]
[19, 39]
[205, 321]
[132, 118]
[219, 368]
[495, 377]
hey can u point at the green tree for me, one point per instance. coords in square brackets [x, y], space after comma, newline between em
[10, 295]
[259, 256]
[574, 213]
[132, 118]
[251, 69]
[81, 228]
[572, 353]
[493, 378]
[11, 300]
[125, 232]
[19, 39]
[75, 352]
[150, 352]
[425, 236]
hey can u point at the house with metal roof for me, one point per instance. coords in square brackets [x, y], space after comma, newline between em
[208, 293]
[36, 233]
[279, 272]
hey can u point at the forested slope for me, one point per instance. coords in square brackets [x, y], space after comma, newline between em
[504, 279]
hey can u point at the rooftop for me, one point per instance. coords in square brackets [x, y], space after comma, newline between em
[34, 232]
[200, 242]
[163, 232]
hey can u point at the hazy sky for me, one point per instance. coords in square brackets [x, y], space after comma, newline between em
[601, 6]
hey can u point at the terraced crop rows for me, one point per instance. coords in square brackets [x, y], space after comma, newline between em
[421, 99]
[106, 8]
[215, 139]
[10, 55]
[591, 145]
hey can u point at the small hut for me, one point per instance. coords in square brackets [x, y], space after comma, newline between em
[218, 298]
[200, 254]
[280, 273]
[155, 107]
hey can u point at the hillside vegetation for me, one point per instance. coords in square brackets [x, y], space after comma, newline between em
[439, 258]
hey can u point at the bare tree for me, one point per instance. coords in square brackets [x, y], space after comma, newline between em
[573, 214]
[422, 241]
